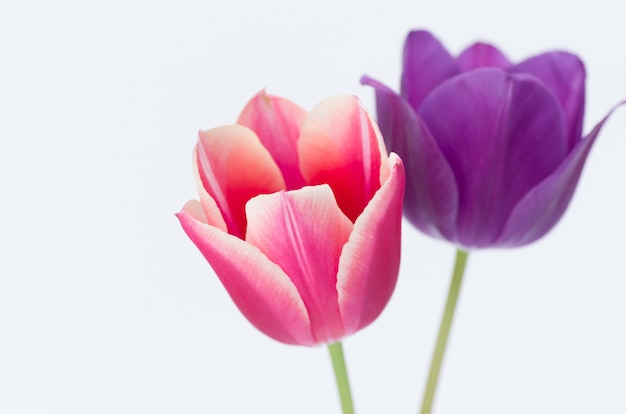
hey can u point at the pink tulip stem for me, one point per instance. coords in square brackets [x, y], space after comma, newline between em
[444, 331]
[341, 374]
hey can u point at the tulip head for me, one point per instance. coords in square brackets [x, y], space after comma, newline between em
[299, 216]
[493, 150]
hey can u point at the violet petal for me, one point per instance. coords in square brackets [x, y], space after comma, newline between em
[431, 195]
[482, 55]
[501, 134]
[543, 206]
[564, 74]
[426, 64]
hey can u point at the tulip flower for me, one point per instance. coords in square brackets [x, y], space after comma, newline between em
[493, 150]
[300, 216]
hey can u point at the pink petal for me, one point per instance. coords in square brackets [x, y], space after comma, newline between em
[482, 55]
[196, 210]
[259, 288]
[211, 212]
[369, 264]
[234, 167]
[303, 232]
[339, 145]
[276, 121]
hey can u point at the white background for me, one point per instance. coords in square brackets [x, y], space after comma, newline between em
[107, 307]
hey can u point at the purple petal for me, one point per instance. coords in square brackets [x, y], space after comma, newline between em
[431, 195]
[501, 134]
[540, 210]
[426, 65]
[482, 55]
[564, 74]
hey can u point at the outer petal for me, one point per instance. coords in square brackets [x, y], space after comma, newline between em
[303, 231]
[431, 198]
[502, 134]
[544, 205]
[259, 288]
[369, 264]
[564, 74]
[340, 146]
[234, 167]
[482, 55]
[276, 121]
[426, 65]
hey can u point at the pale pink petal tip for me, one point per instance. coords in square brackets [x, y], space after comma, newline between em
[340, 146]
[276, 121]
[225, 156]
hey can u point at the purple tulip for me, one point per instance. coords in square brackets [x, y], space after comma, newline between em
[492, 150]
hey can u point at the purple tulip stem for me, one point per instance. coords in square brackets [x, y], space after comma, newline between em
[444, 331]
[341, 375]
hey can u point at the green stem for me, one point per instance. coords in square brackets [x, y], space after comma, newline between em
[341, 374]
[444, 331]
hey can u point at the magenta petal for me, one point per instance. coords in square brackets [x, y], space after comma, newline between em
[340, 146]
[482, 55]
[544, 205]
[369, 264]
[431, 197]
[426, 65]
[501, 134]
[234, 167]
[259, 288]
[303, 232]
[211, 211]
[276, 121]
[564, 74]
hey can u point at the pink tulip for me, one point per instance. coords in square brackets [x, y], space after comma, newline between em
[299, 216]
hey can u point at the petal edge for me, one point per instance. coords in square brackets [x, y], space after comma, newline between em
[370, 260]
[542, 208]
[259, 288]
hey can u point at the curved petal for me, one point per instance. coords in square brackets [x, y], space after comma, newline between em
[340, 146]
[234, 167]
[276, 121]
[502, 134]
[303, 232]
[259, 288]
[564, 74]
[482, 55]
[426, 64]
[211, 212]
[431, 197]
[369, 264]
[543, 206]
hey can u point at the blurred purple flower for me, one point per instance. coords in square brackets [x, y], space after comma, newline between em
[492, 150]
